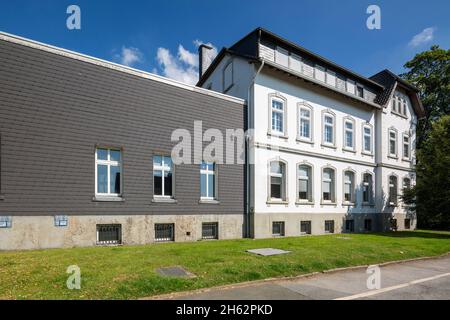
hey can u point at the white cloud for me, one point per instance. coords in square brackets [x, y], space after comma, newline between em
[182, 67]
[129, 56]
[425, 36]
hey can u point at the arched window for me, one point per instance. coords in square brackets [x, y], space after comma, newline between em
[367, 190]
[367, 138]
[328, 129]
[328, 185]
[349, 133]
[277, 114]
[305, 123]
[393, 186]
[277, 184]
[349, 186]
[305, 180]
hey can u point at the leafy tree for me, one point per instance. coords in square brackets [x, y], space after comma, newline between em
[432, 188]
[429, 71]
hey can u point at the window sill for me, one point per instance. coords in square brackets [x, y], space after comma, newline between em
[406, 160]
[277, 135]
[304, 203]
[368, 204]
[107, 199]
[392, 205]
[322, 203]
[302, 140]
[348, 204]
[283, 202]
[328, 146]
[392, 157]
[349, 150]
[208, 201]
[164, 200]
[370, 154]
[399, 114]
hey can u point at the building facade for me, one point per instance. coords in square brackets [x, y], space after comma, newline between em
[85, 154]
[331, 150]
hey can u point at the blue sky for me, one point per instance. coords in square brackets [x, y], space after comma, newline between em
[161, 36]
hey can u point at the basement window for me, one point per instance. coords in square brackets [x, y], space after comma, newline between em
[305, 227]
[368, 224]
[278, 229]
[109, 234]
[407, 224]
[5, 222]
[349, 225]
[164, 232]
[210, 230]
[61, 221]
[329, 226]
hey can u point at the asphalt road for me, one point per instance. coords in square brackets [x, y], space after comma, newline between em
[422, 280]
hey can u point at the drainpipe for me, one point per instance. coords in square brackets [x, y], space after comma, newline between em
[252, 84]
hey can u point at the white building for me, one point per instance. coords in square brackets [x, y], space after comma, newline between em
[331, 151]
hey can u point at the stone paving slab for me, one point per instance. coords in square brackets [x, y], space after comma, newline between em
[268, 251]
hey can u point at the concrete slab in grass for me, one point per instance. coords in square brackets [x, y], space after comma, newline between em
[176, 271]
[268, 251]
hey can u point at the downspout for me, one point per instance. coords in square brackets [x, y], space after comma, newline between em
[252, 84]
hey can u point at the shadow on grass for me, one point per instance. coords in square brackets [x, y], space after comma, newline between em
[413, 234]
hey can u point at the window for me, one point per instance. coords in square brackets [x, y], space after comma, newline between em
[393, 190]
[305, 227]
[108, 172]
[349, 186]
[305, 183]
[162, 176]
[350, 225]
[367, 139]
[5, 222]
[392, 143]
[367, 188]
[329, 226]
[164, 232]
[406, 183]
[360, 91]
[405, 106]
[228, 77]
[109, 234]
[277, 180]
[407, 224]
[328, 180]
[305, 123]
[210, 230]
[368, 224]
[328, 129]
[208, 181]
[349, 134]
[394, 104]
[278, 228]
[278, 107]
[406, 147]
[61, 221]
[394, 224]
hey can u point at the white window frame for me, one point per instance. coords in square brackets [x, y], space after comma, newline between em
[208, 172]
[332, 181]
[390, 185]
[300, 107]
[108, 163]
[369, 186]
[352, 131]
[395, 140]
[408, 157]
[163, 168]
[328, 113]
[352, 187]
[279, 98]
[364, 135]
[310, 183]
[283, 176]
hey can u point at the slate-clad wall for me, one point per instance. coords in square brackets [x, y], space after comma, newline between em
[54, 110]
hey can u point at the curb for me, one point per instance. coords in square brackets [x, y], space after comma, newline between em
[269, 280]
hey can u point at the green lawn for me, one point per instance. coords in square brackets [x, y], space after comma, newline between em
[129, 272]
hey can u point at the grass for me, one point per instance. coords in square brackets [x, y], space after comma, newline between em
[129, 272]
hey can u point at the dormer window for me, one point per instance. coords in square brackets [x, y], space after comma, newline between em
[360, 91]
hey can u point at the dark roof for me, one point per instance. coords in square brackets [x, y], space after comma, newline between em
[390, 81]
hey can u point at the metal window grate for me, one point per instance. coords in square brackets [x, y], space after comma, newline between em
[164, 232]
[278, 228]
[305, 227]
[210, 230]
[109, 233]
[61, 221]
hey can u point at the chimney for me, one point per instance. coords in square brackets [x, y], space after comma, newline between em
[205, 59]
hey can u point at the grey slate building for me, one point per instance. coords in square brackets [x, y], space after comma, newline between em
[85, 154]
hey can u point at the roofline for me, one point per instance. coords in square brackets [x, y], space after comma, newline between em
[4, 36]
[319, 57]
[402, 81]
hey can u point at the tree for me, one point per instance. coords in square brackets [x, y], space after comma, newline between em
[433, 178]
[429, 71]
